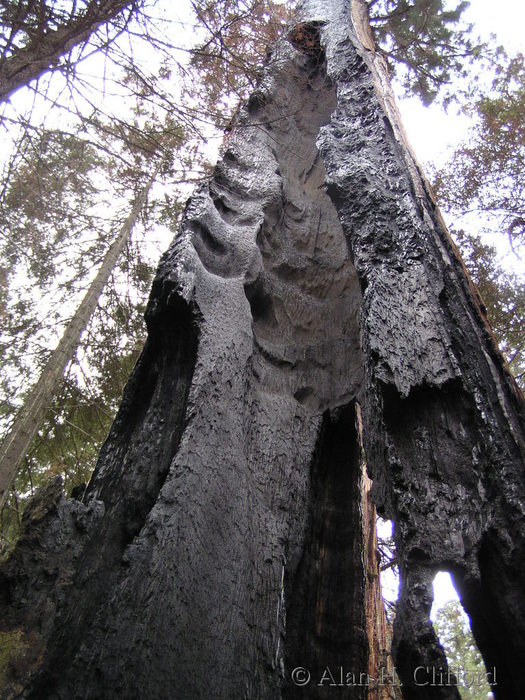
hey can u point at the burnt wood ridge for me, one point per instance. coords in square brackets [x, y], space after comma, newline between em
[220, 543]
[442, 420]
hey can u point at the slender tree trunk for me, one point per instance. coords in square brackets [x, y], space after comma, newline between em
[222, 553]
[43, 51]
[29, 418]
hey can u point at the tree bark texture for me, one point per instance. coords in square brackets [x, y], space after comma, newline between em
[224, 540]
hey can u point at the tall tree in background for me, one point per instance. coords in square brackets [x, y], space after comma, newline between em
[29, 418]
[463, 656]
[61, 212]
[453, 628]
[486, 174]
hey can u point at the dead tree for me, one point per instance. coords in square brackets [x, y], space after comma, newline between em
[221, 540]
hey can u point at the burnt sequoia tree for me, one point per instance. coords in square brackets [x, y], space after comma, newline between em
[220, 543]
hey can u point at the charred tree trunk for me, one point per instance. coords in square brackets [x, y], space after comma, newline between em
[222, 544]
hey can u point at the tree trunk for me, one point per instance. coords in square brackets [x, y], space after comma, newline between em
[311, 271]
[29, 419]
[45, 48]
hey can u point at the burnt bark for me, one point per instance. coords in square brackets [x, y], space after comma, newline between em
[311, 273]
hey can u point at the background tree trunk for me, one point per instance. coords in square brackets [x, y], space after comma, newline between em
[29, 419]
[311, 270]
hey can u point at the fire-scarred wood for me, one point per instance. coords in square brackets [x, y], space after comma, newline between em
[442, 418]
[310, 272]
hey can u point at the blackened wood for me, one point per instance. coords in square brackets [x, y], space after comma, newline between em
[310, 272]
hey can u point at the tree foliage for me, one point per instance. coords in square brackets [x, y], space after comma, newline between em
[38, 35]
[453, 629]
[237, 37]
[425, 42]
[66, 234]
[487, 173]
[503, 294]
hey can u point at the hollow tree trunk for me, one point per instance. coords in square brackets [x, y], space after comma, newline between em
[223, 540]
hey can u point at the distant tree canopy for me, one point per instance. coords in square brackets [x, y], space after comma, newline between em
[64, 206]
[237, 35]
[487, 174]
[463, 657]
[503, 294]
